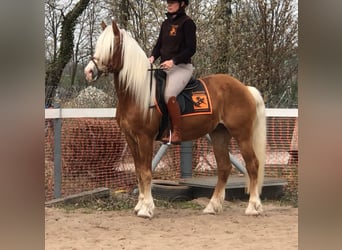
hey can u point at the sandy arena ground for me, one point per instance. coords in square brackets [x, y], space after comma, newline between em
[173, 229]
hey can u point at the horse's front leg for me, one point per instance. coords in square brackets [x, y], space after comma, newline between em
[145, 206]
[142, 149]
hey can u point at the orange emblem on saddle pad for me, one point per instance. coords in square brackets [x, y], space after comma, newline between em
[200, 100]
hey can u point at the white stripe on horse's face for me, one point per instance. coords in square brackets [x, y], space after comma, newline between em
[90, 71]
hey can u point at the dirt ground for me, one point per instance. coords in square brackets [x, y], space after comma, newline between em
[80, 229]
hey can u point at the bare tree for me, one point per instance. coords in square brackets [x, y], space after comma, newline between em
[86, 30]
[278, 33]
[141, 18]
[253, 40]
[52, 25]
[56, 66]
[256, 41]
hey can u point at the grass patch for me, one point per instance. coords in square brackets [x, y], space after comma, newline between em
[125, 201]
[122, 201]
[178, 204]
[290, 197]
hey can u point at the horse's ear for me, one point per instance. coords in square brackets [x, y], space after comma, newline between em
[103, 25]
[116, 29]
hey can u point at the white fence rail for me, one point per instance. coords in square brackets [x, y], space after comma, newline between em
[111, 112]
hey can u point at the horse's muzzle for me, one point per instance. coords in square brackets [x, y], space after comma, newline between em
[92, 72]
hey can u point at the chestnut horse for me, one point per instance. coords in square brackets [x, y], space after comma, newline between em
[238, 111]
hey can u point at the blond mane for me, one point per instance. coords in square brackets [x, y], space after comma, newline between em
[104, 46]
[134, 76]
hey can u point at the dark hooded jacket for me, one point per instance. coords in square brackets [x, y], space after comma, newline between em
[177, 39]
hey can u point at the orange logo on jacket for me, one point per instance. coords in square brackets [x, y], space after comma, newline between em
[173, 30]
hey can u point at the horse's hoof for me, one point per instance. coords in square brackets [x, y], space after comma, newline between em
[137, 208]
[212, 209]
[259, 209]
[252, 213]
[254, 210]
[209, 211]
[145, 214]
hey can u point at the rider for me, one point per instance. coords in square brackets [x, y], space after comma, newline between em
[175, 46]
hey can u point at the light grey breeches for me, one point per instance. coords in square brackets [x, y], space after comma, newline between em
[177, 78]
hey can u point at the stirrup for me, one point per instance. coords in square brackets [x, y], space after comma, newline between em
[167, 142]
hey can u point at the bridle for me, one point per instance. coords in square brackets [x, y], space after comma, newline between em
[113, 66]
[98, 71]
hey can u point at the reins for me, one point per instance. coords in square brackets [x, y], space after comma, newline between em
[151, 69]
[151, 75]
[97, 68]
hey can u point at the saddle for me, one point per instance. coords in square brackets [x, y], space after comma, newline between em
[193, 100]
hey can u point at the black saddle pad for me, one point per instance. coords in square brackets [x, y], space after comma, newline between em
[193, 100]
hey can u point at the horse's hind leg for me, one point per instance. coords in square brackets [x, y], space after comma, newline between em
[252, 165]
[220, 139]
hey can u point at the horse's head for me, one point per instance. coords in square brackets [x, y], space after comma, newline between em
[118, 52]
[107, 56]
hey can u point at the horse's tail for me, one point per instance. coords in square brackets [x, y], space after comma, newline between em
[259, 135]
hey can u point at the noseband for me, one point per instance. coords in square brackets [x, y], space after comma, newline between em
[114, 66]
[98, 71]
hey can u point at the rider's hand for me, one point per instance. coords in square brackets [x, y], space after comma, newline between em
[151, 59]
[167, 64]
